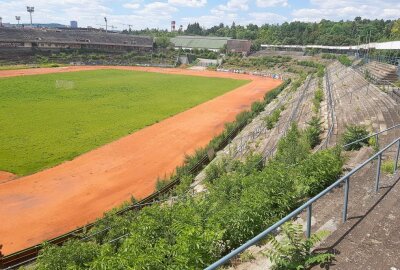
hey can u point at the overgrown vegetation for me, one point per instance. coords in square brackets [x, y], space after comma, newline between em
[318, 98]
[273, 118]
[192, 232]
[237, 61]
[293, 251]
[313, 131]
[388, 166]
[344, 60]
[354, 133]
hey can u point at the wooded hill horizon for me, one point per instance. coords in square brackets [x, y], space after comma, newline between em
[325, 32]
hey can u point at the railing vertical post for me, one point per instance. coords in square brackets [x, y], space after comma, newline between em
[397, 157]
[377, 141]
[309, 214]
[378, 172]
[346, 198]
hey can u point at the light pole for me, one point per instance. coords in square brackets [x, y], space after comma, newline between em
[1, 22]
[105, 19]
[30, 10]
[18, 18]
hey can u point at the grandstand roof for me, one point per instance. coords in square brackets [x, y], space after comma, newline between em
[73, 37]
[200, 42]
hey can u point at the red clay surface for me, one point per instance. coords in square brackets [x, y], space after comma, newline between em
[6, 176]
[57, 200]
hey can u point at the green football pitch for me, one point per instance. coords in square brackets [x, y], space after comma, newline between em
[47, 119]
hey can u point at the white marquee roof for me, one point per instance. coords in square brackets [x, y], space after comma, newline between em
[391, 45]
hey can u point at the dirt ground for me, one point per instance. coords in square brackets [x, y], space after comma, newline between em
[46, 204]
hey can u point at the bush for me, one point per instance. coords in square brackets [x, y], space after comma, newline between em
[313, 131]
[352, 134]
[328, 56]
[292, 148]
[271, 95]
[273, 118]
[293, 251]
[388, 166]
[161, 183]
[318, 98]
[344, 60]
[257, 107]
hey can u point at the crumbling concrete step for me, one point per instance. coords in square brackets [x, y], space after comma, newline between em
[356, 240]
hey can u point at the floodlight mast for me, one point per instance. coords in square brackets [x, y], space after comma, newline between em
[18, 18]
[1, 22]
[30, 10]
[105, 19]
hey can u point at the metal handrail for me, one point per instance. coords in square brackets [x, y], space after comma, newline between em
[308, 205]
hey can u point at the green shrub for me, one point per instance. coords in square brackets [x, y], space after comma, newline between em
[313, 131]
[293, 251]
[271, 95]
[352, 134]
[273, 118]
[161, 183]
[328, 56]
[388, 166]
[344, 60]
[293, 148]
[257, 107]
[318, 98]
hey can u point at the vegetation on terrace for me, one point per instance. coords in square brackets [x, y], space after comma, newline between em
[194, 231]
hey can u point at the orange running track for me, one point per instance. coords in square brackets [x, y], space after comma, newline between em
[44, 205]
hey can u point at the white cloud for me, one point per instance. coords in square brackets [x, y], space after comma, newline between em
[272, 3]
[133, 4]
[260, 18]
[188, 3]
[348, 10]
[157, 10]
[233, 5]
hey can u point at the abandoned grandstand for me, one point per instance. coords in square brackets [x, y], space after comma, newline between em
[56, 39]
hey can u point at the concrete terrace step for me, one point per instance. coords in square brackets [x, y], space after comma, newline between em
[368, 229]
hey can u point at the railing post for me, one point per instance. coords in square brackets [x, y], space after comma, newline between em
[397, 157]
[309, 214]
[377, 141]
[346, 198]
[378, 172]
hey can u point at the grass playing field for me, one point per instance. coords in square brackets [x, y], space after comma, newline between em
[47, 119]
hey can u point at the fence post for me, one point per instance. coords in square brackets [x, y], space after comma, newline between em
[377, 141]
[397, 157]
[378, 172]
[346, 198]
[309, 214]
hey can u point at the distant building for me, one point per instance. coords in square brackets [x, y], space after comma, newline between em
[74, 24]
[211, 43]
[239, 46]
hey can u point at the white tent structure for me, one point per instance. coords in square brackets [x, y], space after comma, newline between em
[390, 45]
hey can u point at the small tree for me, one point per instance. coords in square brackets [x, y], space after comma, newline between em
[354, 133]
[293, 251]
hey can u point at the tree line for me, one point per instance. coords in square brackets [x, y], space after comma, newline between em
[324, 32]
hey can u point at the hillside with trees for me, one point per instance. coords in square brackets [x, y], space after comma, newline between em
[324, 32]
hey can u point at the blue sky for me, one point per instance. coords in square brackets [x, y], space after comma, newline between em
[158, 14]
